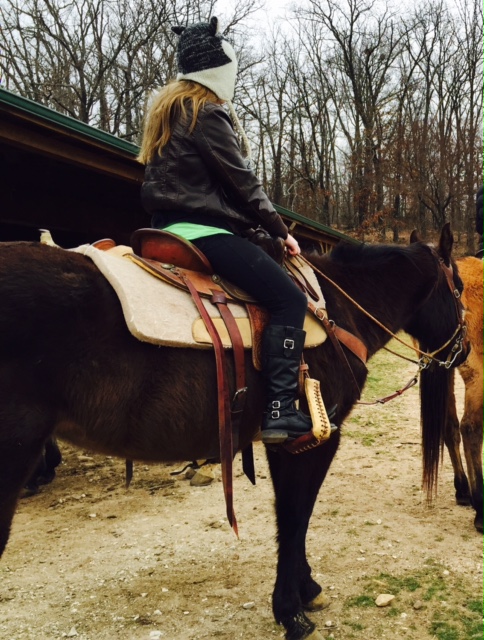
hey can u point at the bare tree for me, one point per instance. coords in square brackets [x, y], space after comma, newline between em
[364, 46]
[95, 60]
[468, 107]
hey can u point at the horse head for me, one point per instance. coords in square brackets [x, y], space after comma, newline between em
[438, 322]
[439, 327]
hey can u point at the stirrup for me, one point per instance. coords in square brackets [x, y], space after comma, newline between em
[317, 410]
[322, 426]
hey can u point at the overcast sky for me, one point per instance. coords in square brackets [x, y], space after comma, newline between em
[273, 10]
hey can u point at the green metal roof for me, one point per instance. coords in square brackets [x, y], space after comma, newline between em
[315, 225]
[66, 122]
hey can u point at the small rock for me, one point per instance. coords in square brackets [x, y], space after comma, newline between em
[202, 478]
[329, 624]
[155, 635]
[418, 604]
[445, 572]
[72, 633]
[384, 599]
[248, 605]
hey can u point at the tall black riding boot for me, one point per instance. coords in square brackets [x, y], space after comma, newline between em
[281, 355]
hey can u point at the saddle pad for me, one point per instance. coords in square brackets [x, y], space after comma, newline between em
[315, 332]
[162, 314]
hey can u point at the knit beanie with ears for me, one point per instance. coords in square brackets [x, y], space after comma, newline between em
[206, 57]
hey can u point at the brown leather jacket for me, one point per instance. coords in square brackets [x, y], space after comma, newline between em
[202, 177]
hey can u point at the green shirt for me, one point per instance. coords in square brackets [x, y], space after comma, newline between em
[191, 231]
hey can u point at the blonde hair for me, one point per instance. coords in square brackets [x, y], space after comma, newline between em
[168, 104]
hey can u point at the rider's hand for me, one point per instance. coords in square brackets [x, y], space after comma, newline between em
[292, 245]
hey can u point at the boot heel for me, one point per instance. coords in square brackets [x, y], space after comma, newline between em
[273, 436]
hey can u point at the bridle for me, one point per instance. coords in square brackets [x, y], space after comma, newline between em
[460, 332]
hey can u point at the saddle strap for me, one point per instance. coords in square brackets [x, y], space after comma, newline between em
[351, 342]
[240, 396]
[219, 299]
[331, 331]
[224, 418]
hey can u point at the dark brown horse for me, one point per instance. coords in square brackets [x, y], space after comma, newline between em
[69, 366]
[468, 488]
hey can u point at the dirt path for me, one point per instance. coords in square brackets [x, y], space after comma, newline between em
[90, 560]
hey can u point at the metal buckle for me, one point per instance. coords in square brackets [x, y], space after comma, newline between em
[276, 404]
[288, 343]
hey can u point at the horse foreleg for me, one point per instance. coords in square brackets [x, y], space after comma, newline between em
[452, 441]
[23, 431]
[297, 480]
[471, 430]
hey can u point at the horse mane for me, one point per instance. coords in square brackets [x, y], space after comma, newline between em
[378, 255]
[357, 267]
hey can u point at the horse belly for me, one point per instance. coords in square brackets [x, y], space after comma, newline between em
[154, 442]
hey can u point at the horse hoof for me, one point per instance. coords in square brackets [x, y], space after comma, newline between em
[478, 524]
[300, 627]
[463, 501]
[318, 603]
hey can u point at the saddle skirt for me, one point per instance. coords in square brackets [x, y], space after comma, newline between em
[160, 313]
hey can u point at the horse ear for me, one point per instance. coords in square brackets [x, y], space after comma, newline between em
[414, 237]
[446, 243]
[178, 30]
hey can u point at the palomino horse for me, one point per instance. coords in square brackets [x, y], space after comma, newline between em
[69, 366]
[469, 491]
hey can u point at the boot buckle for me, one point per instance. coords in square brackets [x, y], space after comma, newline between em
[288, 343]
[275, 414]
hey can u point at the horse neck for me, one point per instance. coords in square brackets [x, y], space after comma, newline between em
[386, 292]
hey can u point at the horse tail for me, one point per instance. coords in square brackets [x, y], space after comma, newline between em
[435, 387]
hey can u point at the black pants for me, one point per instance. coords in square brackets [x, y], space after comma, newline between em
[247, 266]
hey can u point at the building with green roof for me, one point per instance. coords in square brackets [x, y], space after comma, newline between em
[82, 183]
